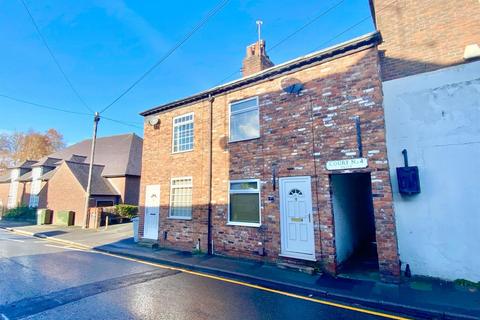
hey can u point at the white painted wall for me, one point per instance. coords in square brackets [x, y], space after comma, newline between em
[436, 117]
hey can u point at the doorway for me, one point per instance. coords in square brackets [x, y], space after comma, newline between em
[152, 212]
[355, 240]
[296, 221]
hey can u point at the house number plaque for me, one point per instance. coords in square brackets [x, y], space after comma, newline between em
[347, 164]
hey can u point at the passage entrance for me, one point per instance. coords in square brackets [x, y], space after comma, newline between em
[354, 222]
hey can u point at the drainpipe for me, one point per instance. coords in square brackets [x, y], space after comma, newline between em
[211, 99]
[312, 128]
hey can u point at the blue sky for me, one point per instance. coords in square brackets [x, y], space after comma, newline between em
[104, 46]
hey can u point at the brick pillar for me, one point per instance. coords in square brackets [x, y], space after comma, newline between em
[95, 216]
[387, 248]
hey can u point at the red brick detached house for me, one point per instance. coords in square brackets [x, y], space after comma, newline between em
[286, 164]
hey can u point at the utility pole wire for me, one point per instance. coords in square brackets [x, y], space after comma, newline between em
[276, 45]
[54, 57]
[202, 22]
[353, 26]
[43, 106]
[130, 124]
[309, 22]
[323, 43]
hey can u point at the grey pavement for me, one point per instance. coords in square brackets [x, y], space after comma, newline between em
[88, 237]
[44, 280]
[417, 296]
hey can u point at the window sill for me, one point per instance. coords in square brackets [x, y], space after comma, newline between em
[179, 152]
[180, 218]
[244, 224]
[246, 140]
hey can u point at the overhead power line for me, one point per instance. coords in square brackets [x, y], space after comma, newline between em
[286, 38]
[309, 22]
[43, 106]
[57, 63]
[323, 43]
[78, 113]
[130, 124]
[352, 26]
[185, 38]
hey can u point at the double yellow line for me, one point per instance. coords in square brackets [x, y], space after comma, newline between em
[205, 275]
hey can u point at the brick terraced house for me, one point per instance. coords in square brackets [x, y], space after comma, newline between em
[287, 164]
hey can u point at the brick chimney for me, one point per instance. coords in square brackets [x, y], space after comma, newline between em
[256, 59]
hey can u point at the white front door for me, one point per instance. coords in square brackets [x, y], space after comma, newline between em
[296, 218]
[152, 211]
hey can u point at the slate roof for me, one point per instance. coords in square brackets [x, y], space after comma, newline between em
[47, 162]
[26, 177]
[100, 185]
[27, 164]
[121, 154]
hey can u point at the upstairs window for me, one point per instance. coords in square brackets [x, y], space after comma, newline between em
[181, 198]
[183, 133]
[244, 120]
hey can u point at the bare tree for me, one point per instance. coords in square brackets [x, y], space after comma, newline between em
[32, 145]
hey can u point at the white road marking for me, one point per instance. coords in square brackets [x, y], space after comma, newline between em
[14, 240]
[62, 247]
[54, 246]
[75, 249]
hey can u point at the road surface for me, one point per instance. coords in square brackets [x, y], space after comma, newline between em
[40, 279]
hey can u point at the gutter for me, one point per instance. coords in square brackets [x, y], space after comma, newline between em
[352, 46]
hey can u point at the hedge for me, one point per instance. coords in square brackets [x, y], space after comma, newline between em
[21, 213]
[126, 210]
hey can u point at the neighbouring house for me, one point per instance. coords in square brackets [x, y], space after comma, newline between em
[59, 181]
[288, 163]
[430, 62]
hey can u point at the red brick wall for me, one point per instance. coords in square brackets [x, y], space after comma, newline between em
[24, 193]
[336, 92]
[66, 194]
[132, 190]
[4, 190]
[425, 35]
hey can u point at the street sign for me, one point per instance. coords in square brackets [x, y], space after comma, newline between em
[344, 164]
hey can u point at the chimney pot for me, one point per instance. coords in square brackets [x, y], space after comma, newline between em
[256, 59]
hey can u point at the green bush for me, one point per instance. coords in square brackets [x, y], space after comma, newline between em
[126, 210]
[21, 213]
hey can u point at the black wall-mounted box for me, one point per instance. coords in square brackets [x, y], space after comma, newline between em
[408, 180]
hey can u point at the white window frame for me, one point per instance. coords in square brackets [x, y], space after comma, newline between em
[249, 109]
[258, 190]
[13, 189]
[171, 198]
[35, 187]
[179, 124]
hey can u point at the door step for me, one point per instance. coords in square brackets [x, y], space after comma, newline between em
[148, 243]
[296, 267]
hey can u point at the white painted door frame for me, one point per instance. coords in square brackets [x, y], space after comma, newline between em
[296, 219]
[152, 212]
